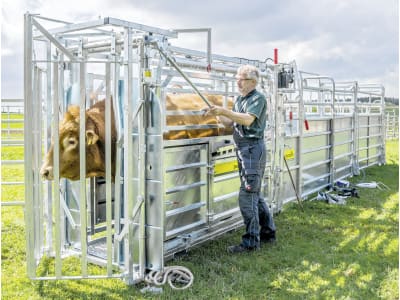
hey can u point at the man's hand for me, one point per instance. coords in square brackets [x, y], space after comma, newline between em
[240, 118]
[213, 110]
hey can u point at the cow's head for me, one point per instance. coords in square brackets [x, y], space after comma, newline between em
[69, 150]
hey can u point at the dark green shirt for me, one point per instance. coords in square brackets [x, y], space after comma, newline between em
[255, 104]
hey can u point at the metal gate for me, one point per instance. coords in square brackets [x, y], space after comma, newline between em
[169, 195]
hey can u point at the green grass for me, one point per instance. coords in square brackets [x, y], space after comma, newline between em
[18, 125]
[325, 252]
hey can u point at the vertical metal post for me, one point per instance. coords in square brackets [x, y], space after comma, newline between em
[56, 168]
[117, 184]
[142, 161]
[82, 162]
[108, 168]
[301, 118]
[128, 153]
[382, 157]
[209, 56]
[279, 142]
[332, 138]
[30, 239]
[36, 159]
[272, 188]
[48, 193]
[356, 132]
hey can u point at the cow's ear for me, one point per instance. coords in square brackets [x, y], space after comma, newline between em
[91, 137]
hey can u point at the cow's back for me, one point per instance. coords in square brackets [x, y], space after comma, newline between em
[192, 102]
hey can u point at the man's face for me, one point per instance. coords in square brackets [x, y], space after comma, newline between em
[245, 84]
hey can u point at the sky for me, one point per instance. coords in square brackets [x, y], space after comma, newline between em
[344, 39]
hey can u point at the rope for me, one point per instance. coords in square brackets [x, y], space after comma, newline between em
[373, 185]
[178, 277]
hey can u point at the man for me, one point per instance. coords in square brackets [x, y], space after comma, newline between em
[249, 117]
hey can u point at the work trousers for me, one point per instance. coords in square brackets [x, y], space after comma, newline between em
[251, 156]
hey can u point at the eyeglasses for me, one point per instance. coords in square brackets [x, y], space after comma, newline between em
[242, 79]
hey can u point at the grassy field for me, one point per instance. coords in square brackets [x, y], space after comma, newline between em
[325, 252]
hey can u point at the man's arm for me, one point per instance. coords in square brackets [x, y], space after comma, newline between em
[245, 119]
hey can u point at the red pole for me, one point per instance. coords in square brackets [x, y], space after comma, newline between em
[276, 56]
[306, 124]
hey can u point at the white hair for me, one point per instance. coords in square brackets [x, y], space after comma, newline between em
[251, 72]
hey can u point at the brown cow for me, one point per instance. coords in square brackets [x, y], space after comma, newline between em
[95, 144]
[95, 134]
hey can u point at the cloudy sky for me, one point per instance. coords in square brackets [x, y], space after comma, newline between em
[345, 39]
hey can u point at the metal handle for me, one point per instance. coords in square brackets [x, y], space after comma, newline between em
[171, 61]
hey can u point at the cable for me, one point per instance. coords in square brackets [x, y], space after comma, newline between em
[174, 275]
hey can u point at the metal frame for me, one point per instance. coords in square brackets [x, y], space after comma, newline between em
[168, 196]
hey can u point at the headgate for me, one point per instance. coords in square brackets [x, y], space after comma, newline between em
[170, 194]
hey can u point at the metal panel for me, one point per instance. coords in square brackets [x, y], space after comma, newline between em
[186, 180]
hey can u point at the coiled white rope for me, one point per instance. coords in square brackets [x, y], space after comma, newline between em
[179, 278]
[373, 185]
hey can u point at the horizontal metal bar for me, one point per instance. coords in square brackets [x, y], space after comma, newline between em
[12, 162]
[184, 228]
[370, 125]
[370, 157]
[208, 92]
[226, 177]
[343, 130]
[371, 136]
[78, 277]
[12, 142]
[3, 120]
[216, 57]
[316, 164]
[185, 187]
[343, 168]
[12, 182]
[316, 149]
[13, 203]
[12, 131]
[75, 27]
[184, 112]
[187, 63]
[198, 75]
[184, 209]
[329, 104]
[185, 166]
[51, 20]
[224, 197]
[318, 89]
[316, 134]
[316, 179]
[5, 100]
[53, 40]
[343, 143]
[193, 127]
[141, 27]
[343, 155]
[343, 115]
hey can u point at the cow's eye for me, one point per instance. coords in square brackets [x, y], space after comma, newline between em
[71, 142]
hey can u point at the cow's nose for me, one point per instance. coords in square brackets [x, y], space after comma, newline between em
[46, 173]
